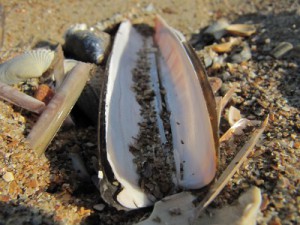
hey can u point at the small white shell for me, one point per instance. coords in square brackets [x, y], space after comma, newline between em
[234, 115]
[31, 64]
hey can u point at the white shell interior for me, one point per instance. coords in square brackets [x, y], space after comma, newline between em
[194, 149]
[122, 114]
[193, 142]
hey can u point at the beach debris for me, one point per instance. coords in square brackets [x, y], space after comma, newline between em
[242, 30]
[21, 99]
[222, 27]
[226, 46]
[58, 108]
[242, 56]
[217, 29]
[215, 83]
[281, 49]
[242, 212]
[181, 208]
[233, 115]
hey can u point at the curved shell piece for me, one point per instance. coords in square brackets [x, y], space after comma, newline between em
[233, 115]
[140, 168]
[31, 64]
[243, 30]
[244, 211]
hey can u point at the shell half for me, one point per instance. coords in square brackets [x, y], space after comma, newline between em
[158, 120]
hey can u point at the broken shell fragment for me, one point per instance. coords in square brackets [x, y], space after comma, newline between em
[86, 45]
[215, 83]
[243, 30]
[244, 212]
[236, 129]
[217, 29]
[31, 64]
[281, 49]
[157, 127]
[226, 46]
[242, 56]
[233, 115]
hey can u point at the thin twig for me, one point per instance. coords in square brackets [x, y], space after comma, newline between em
[235, 164]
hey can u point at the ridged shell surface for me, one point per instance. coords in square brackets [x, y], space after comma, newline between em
[31, 64]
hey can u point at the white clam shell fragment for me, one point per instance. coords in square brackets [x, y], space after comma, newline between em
[31, 64]
[243, 212]
[138, 168]
[233, 115]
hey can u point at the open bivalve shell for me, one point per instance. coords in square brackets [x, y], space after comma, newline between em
[158, 120]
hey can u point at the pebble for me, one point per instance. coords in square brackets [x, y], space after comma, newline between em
[8, 176]
[268, 41]
[99, 207]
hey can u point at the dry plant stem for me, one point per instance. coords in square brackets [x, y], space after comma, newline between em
[240, 124]
[234, 165]
[221, 105]
[58, 108]
[21, 99]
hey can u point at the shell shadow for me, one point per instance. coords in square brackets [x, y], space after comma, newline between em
[11, 213]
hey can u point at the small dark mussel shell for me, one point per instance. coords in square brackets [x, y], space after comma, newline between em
[87, 45]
